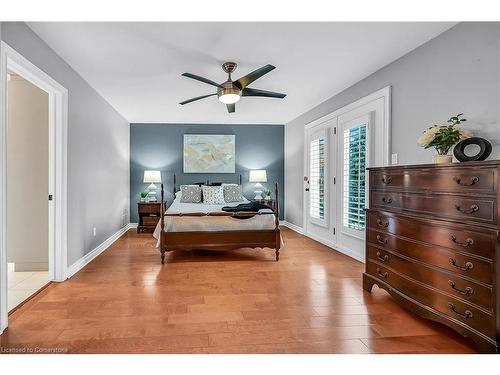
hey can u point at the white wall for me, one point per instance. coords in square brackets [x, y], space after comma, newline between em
[458, 71]
[98, 148]
[27, 176]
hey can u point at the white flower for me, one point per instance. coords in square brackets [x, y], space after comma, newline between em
[465, 133]
[428, 136]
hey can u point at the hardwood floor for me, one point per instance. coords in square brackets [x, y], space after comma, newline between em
[311, 301]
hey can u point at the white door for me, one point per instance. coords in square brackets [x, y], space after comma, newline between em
[354, 146]
[318, 218]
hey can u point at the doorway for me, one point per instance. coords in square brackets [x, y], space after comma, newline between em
[339, 147]
[47, 185]
[27, 189]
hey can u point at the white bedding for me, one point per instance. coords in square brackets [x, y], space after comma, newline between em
[211, 223]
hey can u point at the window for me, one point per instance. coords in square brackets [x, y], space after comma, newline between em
[354, 170]
[317, 179]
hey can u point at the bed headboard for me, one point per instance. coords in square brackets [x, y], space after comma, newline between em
[208, 183]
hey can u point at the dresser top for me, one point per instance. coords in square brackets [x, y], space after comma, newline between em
[449, 165]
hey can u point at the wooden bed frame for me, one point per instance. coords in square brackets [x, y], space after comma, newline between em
[220, 240]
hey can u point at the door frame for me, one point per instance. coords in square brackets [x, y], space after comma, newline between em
[333, 117]
[10, 59]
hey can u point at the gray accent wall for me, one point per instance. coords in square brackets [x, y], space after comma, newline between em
[160, 147]
[458, 71]
[98, 148]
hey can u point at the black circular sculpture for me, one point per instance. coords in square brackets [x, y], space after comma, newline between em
[484, 149]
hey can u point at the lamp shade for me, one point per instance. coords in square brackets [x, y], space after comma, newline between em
[152, 177]
[258, 175]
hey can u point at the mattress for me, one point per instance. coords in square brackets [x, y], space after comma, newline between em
[211, 223]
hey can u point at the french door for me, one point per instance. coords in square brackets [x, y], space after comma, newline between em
[337, 151]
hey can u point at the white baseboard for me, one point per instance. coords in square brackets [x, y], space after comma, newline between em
[337, 247]
[133, 225]
[293, 227]
[350, 253]
[89, 257]
[332, 245]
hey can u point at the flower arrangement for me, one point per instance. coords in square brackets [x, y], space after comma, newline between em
[444, 137]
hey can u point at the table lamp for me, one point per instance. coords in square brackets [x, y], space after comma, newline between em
[152, 177]
[258, 176]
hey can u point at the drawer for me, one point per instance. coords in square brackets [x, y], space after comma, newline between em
[448, 282]
[150, 220]
[446, 206]
[454, 180]
[149, 208]
[454, 308]
[462, 238]
[477, 269]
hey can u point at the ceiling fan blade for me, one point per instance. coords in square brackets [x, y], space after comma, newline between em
[198, 78]
[197, 98]
[250, 77]
[256, 92]
[231, 107]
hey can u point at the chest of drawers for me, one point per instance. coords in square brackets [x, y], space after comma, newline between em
[432, 241]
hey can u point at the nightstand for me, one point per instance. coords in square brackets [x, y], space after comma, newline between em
[271, 203]
[149, 215]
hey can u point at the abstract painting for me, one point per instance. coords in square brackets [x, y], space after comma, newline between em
[208, 153]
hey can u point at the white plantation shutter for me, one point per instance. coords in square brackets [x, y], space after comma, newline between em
[317, 179]
[354, 177]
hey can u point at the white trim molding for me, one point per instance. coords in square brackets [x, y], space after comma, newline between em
[90, 256]
[330, 244]
[382, 93]
[58, 136]
[293, 227]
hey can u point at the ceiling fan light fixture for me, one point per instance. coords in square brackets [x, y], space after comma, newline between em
[228, 94]
[229, 98]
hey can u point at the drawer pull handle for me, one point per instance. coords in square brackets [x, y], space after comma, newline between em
[468, 265]
[386, 180]
[387, 200]
[382, 224]
[380, 240]
[384, 258]
[468, 242]
[383, 274]
[467, 314]
[473, 181]
[471, 210]
[468, 290]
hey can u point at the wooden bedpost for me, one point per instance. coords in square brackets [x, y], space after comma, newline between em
[174, 187]
[162, 218]
[277, 221]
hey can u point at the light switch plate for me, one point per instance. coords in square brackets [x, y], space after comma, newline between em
[394, 159]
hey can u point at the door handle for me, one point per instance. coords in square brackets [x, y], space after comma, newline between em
[307, 189]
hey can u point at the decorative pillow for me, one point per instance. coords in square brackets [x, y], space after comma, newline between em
[213, 195]
[232, 193]
[191, 194]
[178, 195]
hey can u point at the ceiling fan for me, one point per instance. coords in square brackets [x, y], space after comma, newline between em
[229, 92]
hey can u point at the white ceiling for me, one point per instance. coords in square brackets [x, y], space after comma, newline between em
[137, 67]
